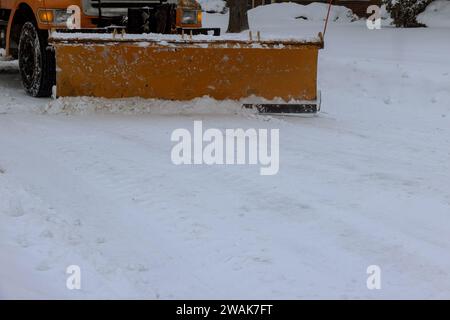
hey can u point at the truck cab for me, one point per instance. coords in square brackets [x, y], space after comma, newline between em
[25, 25]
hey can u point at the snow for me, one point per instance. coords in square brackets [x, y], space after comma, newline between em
[170, 40]
[274, 13]
[289, 20]
[213, 5]
[90, 182]
[437, 14]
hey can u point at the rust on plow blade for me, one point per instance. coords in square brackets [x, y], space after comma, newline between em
[280, 71]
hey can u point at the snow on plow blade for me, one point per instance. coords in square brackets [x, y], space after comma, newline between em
[271, 76]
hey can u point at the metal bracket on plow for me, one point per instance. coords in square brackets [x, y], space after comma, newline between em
[281, 109]
[197, 31]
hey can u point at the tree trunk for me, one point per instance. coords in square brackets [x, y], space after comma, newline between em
[238, 16]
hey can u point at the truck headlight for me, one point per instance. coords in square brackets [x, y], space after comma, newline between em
[190, 17]
[53, 16]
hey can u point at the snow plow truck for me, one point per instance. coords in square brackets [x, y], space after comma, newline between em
[153, 49]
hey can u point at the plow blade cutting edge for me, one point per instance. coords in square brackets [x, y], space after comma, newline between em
[270, 76]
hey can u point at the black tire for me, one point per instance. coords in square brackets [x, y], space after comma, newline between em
[36, 61]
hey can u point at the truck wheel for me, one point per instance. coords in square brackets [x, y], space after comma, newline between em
[36, 62]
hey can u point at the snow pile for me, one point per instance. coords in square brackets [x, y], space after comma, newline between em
[213, 5]
[437, 14]
[291, 11]
[8, 66]
[137, 106]
[284, 21]
[88, 105]
[294, 21]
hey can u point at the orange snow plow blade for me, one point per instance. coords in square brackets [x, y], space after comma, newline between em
[280, 73]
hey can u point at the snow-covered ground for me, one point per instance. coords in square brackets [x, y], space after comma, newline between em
[437, 14]
[90, 182]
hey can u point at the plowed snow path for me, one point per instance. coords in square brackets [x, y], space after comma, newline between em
[366, 182]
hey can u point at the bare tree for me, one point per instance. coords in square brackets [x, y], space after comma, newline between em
[238, 16]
